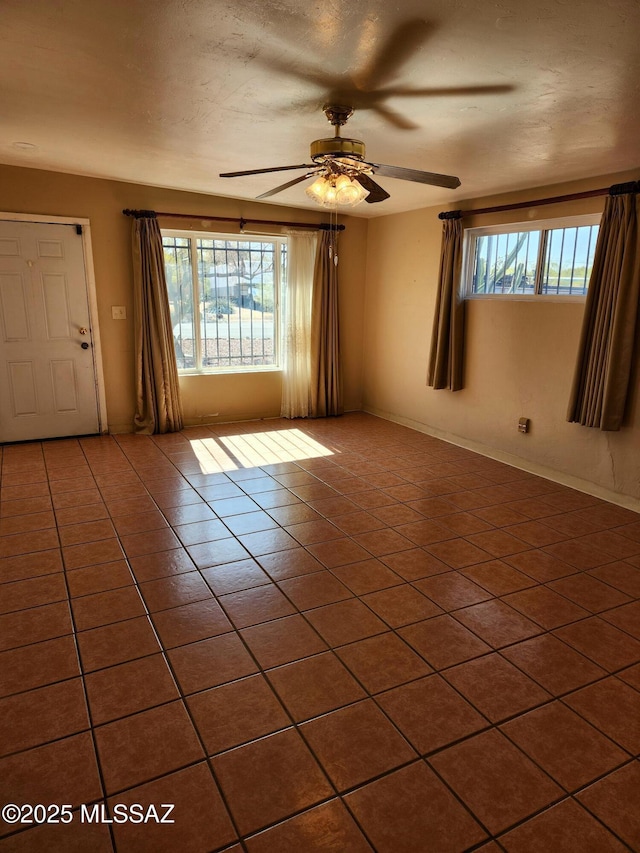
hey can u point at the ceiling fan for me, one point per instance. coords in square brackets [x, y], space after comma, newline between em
[376, 80]
[343, 176]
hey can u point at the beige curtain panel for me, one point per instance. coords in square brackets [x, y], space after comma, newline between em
[296, 302]
[158, 405]
[607, 344]
[326, 378]
[446, 356]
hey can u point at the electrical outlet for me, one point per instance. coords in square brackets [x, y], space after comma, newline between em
[523, 425]
[118, 312]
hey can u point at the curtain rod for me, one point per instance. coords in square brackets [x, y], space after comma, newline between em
[616, 189]
[317, 226]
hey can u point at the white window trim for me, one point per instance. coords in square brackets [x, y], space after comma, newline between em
[469, 246]
[279, 240]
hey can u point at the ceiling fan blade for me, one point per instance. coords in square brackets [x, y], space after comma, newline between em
[419, 177]
[286, 186]
[393, 91]
[376, 193]
[394, 118]
[403, 41]
[263, 171]
[317, 78]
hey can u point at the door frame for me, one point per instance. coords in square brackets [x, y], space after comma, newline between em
[96, 350]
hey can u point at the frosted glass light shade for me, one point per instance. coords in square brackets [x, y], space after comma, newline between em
[337, 191]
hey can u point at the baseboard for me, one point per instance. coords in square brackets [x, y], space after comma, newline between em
[559, 477]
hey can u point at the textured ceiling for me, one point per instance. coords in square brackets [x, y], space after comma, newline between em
[172, 92]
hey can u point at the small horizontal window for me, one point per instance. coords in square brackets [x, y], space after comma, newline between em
[537, 259]
[223, 298]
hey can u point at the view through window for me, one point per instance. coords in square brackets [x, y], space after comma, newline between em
[223, 297]
[535, 259]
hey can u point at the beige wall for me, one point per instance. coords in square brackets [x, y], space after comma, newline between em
[231, 397]
[520, 355]
[519, 359]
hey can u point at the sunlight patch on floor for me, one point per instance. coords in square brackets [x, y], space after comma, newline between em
[252, 450]
[212, 458]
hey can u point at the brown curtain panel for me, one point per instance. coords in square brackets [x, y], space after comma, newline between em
[158, 405]
[447, 340]
[326, 379]
[601, 379]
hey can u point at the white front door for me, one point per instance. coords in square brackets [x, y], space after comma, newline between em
[48, 382]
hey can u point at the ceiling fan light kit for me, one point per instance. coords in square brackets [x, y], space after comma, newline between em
[343, 176]
[336, 190]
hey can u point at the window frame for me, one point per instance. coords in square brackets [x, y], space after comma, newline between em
[541, 225]
[278, 240]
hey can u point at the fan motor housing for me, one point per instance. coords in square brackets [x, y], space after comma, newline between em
[337, 146]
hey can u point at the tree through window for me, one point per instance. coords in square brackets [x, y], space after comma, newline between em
[223, 297]
[542, 258]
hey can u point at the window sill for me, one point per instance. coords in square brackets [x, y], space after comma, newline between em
[231, 371]
[515, 297]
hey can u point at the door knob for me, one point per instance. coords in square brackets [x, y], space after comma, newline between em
[84, 345]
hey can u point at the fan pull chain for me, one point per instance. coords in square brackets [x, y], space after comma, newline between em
[333, 219]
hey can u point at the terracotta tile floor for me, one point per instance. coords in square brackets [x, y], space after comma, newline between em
[339, 635]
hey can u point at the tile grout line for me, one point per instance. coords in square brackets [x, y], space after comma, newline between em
[391, 630]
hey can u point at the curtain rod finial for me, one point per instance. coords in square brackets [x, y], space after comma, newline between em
[623, 189]
[140, 214]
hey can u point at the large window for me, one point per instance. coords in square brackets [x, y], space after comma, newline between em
[534, 259]
[223, 296]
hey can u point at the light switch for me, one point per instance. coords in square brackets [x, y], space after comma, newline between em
[119, 312]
